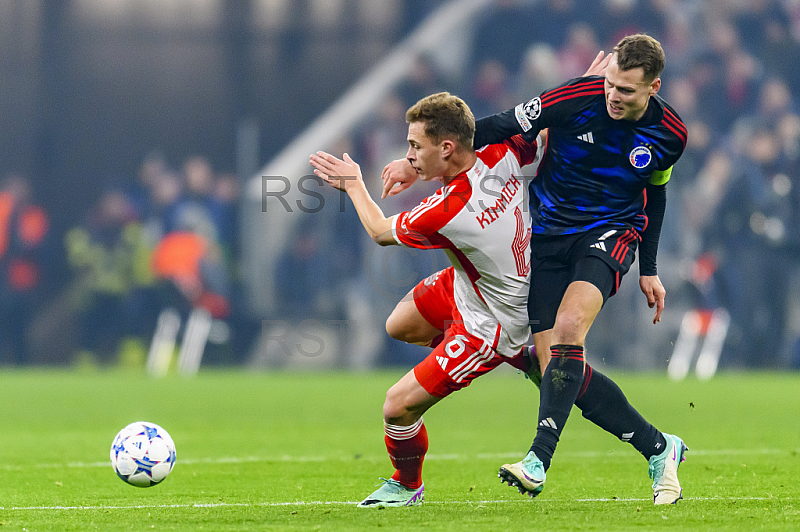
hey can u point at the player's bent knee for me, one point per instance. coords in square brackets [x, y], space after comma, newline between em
[399, 407]
[401, 327]
[396, 328]
[394, 407]
[395, 413]
[569, 329]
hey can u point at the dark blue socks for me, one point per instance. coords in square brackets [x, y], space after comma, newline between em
[561, 384]
[602, 402]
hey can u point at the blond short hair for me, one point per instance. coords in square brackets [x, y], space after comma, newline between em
[446, 117]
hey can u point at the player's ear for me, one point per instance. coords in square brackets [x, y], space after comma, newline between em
[447, 147]
[655, 86]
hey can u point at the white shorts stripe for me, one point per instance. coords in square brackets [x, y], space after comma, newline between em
[486, 353]
[478, 363]
[467, 361]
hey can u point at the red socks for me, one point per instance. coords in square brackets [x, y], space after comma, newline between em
[407, 447]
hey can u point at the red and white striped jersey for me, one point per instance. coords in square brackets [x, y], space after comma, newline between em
[481, 220]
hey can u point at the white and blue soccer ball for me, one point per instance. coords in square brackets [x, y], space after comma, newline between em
[143, 454]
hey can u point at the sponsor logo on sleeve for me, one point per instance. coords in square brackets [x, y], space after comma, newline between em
[527, 112]
[523, 121]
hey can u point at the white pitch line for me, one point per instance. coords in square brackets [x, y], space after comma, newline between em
[352, 503]
[626, 454]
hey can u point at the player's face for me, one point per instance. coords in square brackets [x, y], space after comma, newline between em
[627, 92]
[425, 156]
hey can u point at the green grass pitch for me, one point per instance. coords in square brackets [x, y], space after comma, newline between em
[296, 451]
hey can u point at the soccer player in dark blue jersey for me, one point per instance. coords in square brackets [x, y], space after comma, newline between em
[600, 190]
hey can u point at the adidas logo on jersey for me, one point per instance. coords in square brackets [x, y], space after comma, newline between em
[599, 245]
[587, 137]
[442, 362]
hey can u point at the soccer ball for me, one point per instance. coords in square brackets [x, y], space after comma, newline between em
[142, 454]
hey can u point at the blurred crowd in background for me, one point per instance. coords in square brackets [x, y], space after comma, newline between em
[165, 238]
[168, 236]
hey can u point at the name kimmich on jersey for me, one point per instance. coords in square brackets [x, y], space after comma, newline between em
[479, 219]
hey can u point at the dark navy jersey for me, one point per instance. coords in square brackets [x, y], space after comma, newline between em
[595, 169]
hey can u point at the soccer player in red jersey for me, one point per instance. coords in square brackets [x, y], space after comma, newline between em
[472, 313]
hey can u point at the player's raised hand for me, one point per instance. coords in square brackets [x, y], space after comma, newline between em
[654, 291]
[339, 173]
[397, 176]
[598, 66]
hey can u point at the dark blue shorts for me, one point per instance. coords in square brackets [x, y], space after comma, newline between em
[600, 256]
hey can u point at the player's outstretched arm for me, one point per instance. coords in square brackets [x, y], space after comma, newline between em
[345, 174]
[654, 291]
[397, 176]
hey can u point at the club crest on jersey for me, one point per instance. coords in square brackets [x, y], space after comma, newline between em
[640, 157]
